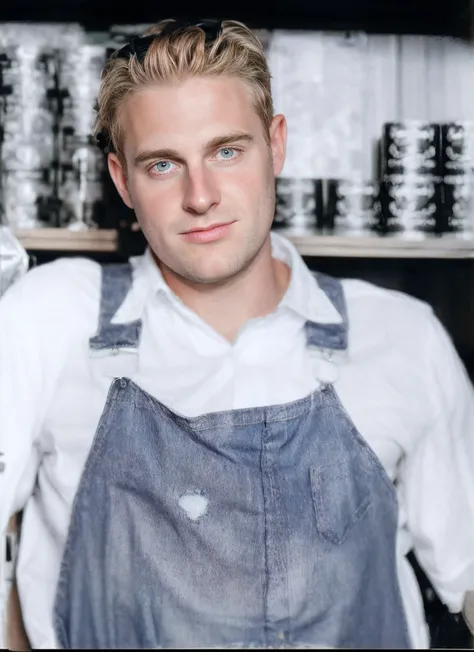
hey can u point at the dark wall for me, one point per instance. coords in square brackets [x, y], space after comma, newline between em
[385, 16]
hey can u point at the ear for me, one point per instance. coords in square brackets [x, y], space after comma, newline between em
[278, 142]
[119, 177]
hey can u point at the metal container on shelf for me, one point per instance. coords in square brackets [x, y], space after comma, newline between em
[27, 77]
[299, 204]
[79, 73]
[410, 147]
[81, 186]
[349, 205]
[22, 193]
[27, 147]
[81, 163]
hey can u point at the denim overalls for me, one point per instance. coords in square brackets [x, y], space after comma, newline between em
[263, 527]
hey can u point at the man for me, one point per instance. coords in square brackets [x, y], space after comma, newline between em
[216, 447]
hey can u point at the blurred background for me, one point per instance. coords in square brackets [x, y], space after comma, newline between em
[378, 182]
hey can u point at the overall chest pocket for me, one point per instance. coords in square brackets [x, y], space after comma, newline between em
[341, 496]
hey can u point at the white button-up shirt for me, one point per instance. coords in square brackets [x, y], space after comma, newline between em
[400, 381]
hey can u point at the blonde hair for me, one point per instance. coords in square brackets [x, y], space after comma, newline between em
[182, 54]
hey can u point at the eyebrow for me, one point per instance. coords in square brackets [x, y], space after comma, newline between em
[214, 143]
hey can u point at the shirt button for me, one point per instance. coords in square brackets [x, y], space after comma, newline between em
[123, 383]
[281, 636]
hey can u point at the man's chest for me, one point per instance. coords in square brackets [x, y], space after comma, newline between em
[375, 388]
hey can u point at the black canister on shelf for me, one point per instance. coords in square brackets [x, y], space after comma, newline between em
[409, 205]
[349, 205]
[299, 204]
[411, 147]
[457, 148]
[283, 203]
[457, 208]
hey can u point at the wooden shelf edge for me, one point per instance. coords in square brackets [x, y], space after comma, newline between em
[367, 246]
[94, 240]
[308, 244]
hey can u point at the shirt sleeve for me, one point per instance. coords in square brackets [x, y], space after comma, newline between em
[437, 474]
[38, 315]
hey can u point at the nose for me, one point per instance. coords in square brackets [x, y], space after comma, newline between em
[201, 191]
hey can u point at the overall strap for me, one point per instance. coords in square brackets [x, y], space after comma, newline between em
[330, 336]
[115, 285]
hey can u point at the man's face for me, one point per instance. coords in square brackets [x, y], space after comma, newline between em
[196, 157]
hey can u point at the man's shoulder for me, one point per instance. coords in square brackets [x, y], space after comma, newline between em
[392, 314]
[358, 291]
[66, 289]
[62, 276]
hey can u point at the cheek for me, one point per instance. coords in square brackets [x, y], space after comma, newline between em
[250, 186]
[260, 189]
[150, 198]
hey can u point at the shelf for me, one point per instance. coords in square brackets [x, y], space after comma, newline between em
[307, 243]
[389, 246]
[94, 240]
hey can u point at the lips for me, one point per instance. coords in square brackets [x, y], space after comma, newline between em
[206, 228]
[209, 234]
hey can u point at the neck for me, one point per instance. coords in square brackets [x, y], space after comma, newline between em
[254, 292]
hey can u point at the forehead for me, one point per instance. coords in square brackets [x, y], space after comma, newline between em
[191, 111]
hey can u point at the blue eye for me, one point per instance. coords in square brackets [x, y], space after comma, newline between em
[163, 166]
[227, 152]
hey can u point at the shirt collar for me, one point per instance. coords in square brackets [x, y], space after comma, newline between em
[303, 296]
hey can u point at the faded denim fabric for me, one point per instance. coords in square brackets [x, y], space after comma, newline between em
[261, 527]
